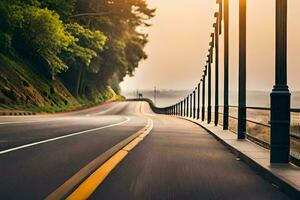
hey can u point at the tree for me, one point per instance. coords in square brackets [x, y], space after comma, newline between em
[81, 53]
[124, 49]
[64, 8]
[43, 34]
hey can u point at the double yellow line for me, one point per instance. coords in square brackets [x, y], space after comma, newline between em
[86, 189]
[90, 177]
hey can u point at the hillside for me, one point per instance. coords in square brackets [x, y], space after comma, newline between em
[24, 87]
[58, 55]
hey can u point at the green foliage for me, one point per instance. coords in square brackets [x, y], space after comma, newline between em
[89, 52]
[64, 8]
[5, 42]
[43, 33]
[124, 49]
[4, 23]
[87, 44]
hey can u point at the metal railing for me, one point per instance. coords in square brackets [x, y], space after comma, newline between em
[275, 121]
[258, 126]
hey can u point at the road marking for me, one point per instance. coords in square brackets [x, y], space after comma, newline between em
[87, 188]
[104, 111]
[90, 184]
[25, 122]
[63, 137]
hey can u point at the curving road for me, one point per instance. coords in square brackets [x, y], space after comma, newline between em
[177, 160]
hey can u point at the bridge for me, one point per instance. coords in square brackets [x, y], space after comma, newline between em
[190, 150]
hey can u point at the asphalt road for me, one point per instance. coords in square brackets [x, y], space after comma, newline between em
[177, 160]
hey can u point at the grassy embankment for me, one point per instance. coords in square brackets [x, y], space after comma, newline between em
[24, 87]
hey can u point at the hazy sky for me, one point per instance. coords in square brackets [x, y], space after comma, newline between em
[179, 37]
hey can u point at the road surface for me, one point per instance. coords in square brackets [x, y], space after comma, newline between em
[176, 160]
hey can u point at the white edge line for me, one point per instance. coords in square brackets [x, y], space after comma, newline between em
[103, 111]
[26, 122]
[62, 137]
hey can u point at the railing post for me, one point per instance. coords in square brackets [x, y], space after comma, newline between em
[280, 96]
[226, 66]
[191, 105]
[180, 111]
[187, 107]
[194, 113]
[173, 110]
[203, 93]
[184, 106]
[216, 25]
[242, 112]
[199, 95]
[209, 91]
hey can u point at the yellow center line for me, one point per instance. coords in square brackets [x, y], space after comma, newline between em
[92, 182]
[87, 188]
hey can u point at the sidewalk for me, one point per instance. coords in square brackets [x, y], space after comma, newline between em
[284, 176]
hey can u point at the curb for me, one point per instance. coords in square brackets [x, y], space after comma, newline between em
[16, 113]
[26, 113]
[287, 187]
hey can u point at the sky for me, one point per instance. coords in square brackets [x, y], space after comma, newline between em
[179, 40]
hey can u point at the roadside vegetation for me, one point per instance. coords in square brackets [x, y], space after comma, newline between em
[63, 54]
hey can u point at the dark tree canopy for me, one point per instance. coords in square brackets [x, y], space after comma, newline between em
[88, 44]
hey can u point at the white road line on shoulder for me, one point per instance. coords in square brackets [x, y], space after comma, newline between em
[62, 137]
[26, 122]
[113, 106]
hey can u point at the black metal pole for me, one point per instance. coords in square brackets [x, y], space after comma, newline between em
[217, 70]
[242, 112]
[226, 66]
[180, 111]
[209, 91]
[191, 105]
[199, 96]
[280, 96]
[187, 107]
[194, 113]
[203, 95]
[184, 107]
